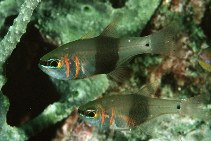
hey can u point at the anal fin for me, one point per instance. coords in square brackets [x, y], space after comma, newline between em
[149, 89]
[120, 74]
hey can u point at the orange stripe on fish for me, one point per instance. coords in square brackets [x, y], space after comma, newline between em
[66, 61]
[112, 116]
[103, 117]
[77, 65]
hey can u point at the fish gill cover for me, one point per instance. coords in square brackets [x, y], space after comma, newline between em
[40, 107]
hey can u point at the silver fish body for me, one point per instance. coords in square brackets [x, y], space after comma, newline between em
[105, 54]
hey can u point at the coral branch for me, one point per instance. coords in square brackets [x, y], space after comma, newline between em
[15, 32]
[8, 133]
[11, 6]
[7, 45]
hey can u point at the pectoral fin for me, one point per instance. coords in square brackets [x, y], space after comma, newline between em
[120, 74]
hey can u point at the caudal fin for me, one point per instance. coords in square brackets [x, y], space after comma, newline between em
[166, 41]
[197, 107]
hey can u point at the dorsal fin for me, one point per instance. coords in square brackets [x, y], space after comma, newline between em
[88, 35]
[149, 89]
[111, 29]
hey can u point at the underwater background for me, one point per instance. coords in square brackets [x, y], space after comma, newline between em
[34, 106]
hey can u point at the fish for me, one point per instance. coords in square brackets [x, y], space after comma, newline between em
[120, 112]
[106, 54]
[204, 59]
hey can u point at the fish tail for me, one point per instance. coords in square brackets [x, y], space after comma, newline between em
[197, 107]
[166, 41]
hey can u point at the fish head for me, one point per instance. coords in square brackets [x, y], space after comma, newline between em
[91, 113]
[58, 66]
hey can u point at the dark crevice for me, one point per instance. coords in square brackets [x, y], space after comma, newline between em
[29, 90]
[48, 133]
[9, 20]
[169, 79]
[147, 30]
[118, 3]
[206, 22]
[7, 23]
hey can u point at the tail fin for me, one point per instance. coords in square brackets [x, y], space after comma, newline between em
[166, 41]
[197, 107]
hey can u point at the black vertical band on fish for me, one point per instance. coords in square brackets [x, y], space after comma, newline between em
[106, 54]
[139, 111]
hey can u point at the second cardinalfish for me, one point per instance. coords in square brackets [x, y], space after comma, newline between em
[106, 53]
[204, 59]
[131, 110]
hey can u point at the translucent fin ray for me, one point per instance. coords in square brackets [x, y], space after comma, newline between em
[120, 74]
[166, 41]
[149, 89]
[88, 36]
[197, 107]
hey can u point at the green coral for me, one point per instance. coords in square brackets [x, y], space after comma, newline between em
[70, 21]
[10, 40]
[7, 132]
[11, 6]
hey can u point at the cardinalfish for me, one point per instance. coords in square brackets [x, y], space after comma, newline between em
[204, 59]
[106, 53]
[131, 110]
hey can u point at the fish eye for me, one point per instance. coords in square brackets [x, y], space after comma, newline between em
[54, 63]
[90, 113]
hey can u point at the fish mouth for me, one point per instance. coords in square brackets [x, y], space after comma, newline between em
[43, 64]
[81, 112]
